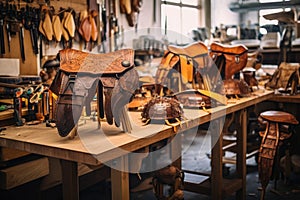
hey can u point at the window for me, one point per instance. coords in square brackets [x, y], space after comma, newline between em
[179, 17]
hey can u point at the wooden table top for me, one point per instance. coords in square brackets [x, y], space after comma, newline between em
[94, 146]
[286, 98]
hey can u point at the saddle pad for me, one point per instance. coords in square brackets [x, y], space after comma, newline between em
[74, 61]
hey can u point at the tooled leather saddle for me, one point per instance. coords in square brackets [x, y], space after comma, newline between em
[81, 75]
[278, 128]
[229, 59]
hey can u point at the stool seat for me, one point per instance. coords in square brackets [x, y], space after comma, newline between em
[279, 116]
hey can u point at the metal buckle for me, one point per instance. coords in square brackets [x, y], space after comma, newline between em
[237, 59]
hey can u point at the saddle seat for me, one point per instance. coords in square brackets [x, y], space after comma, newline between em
[236, 49]
[236, 58]
[75, 61]
[192, 50]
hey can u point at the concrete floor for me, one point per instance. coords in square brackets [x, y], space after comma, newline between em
[195, 158]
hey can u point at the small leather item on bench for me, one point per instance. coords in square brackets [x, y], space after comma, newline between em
[194, 99]
[286, 76]
[187, 61]
[83, 74]
[235, 87]
[255, 59]
[229, 59]
[275, 131]
[165, 108]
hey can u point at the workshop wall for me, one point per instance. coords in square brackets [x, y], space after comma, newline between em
[33, 62]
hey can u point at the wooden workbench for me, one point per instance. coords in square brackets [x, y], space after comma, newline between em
[94, 148]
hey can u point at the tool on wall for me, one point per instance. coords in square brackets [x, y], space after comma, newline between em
[131, 8]
[20, 17]
[104, 24]
[2, 16]
[113, 26]
[31, 23]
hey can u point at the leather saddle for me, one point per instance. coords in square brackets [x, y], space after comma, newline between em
[229, 59]
[81, 75]
[277, 128]
[187, 64]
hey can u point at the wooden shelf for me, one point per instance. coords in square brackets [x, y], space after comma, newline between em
[252, 150]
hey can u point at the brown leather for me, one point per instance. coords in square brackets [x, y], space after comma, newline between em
[85, 29]
[57, 28]
[65, 33]
[192, 50]
[286, 76]
[75, 61]
[131, 8]
[47, 26]
[125, 6]
[169, 176]
[235, 87]
[235, 58]
[94, 31]
[279, 116]
[255, 59]
[80, 74]
[194, 99]
[88, 28]
[136, 5]
[186, 60]
[250, 79]
[162, 108]
[69, 24]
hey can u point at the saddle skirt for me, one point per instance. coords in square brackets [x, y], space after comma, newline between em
[81, 75]
[229, 59]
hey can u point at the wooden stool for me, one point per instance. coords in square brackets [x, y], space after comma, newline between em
[277, 129]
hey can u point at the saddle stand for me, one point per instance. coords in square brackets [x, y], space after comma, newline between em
[81, 75]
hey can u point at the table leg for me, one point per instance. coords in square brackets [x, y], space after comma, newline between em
[70, 181]
[176, 150]
[216, 159]
[241, 153]
[120, 179]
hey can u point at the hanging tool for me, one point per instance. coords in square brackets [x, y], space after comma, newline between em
[104, 24]
[31, 23]
[113, 26]
[2, 16]
[20, 17]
